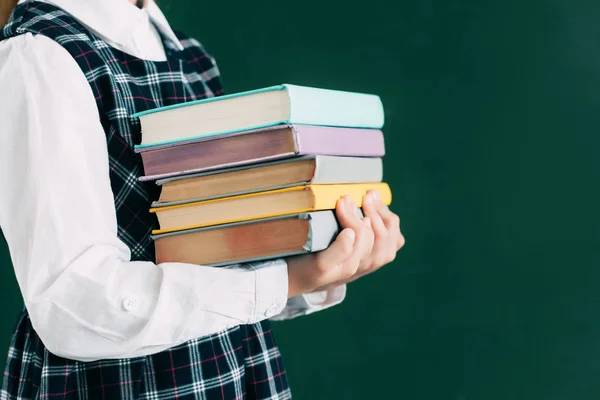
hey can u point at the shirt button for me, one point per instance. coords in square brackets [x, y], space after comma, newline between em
[272, 310]
[130, 303]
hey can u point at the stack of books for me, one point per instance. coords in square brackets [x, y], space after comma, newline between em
[256, 175]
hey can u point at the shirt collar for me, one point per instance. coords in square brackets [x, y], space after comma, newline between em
[112, 19]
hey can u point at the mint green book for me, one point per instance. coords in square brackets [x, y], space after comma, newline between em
[262, 108]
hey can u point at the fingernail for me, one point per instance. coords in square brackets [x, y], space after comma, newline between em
[376, 197]
[368, 199]
[367, 221]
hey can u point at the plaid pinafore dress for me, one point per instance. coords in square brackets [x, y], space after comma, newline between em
[238, 363]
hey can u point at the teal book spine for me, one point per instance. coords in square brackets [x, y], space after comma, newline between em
[313, 106]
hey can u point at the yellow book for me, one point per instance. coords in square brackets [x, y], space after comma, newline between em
[268, 204]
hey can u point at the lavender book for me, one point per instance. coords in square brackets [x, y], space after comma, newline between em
[258, 146]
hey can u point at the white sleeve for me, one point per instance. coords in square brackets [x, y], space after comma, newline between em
[311, 302]
[85, 298]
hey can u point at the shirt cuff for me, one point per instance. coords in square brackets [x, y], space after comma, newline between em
[271, 288]
[311, 302]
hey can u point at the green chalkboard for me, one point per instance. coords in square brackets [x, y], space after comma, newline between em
[493, 114]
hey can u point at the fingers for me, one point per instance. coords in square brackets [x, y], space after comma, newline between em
[347, 214]
[338, 252]
[401, 241]
[381, 245]
[392, 222]
[378, 236]
[371, 205]
[390, 219]
[364, 242]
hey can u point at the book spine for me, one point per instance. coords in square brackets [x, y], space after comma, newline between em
[339, 141]
[314, 106]
[323, 229]
[326, 196]
[332, 169]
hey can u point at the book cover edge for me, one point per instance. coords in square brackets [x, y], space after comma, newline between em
[209, 100]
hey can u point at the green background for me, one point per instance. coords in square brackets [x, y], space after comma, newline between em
[492, 122]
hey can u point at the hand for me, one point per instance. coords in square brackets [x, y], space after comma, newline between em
[340, 261]
[388, 239]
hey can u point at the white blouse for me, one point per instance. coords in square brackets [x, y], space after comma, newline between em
[86, 299]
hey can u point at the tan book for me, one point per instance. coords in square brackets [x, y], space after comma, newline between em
[260, 108]
[269, 176]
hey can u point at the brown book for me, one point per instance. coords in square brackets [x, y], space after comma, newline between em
[269, 176]
[249, 241]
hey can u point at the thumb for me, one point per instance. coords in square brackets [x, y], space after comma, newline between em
[338, 251]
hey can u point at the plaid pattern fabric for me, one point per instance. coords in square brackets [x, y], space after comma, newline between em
[239, 363]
